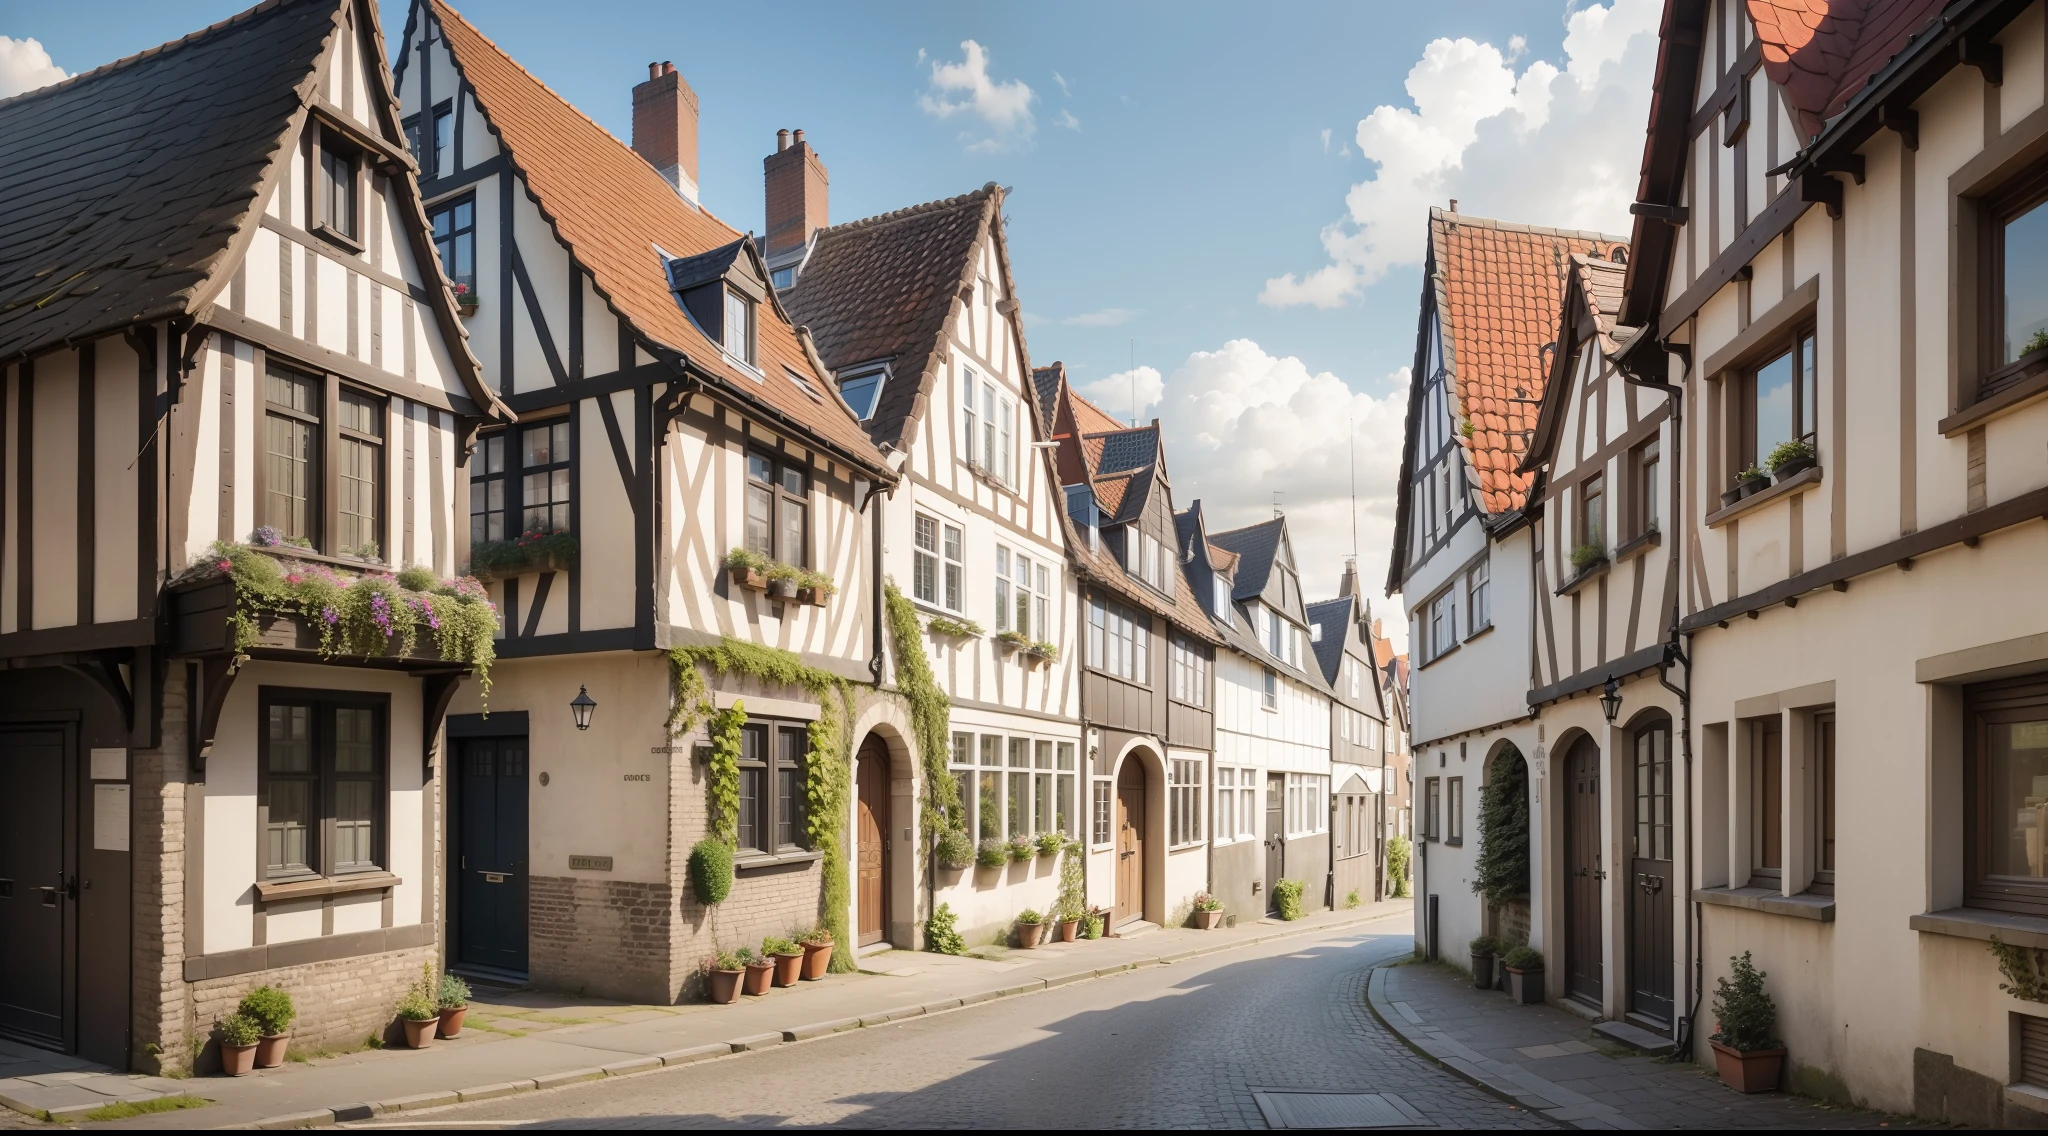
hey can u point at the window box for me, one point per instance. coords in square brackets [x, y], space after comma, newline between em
[813, 596]
[203, 611]
[1787, 470]
[534, 552]
[753, 579]
[1636, 546]
[1747, 487]
[1585, 576]
[781, 587]
[1797, 483]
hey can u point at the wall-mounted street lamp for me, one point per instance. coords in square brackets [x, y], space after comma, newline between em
[1610, 699]
[583, 704]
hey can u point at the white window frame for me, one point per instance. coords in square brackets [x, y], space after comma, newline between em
[924, 558]
[739, 344]
[1224, 831]
[1269, 694]
[1478, 599]
[1102, 812]
[1006, 436]
[1002, 587]
[1308, 811]
[970, 427]
[1184, 802]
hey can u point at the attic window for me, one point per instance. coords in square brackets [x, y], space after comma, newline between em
[335, 190]
[784, 277]
[802, 384]
[737, 334]
[861, 387]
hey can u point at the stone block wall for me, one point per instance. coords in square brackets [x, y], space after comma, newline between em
[159, 1022]
[341, 1002]
[603, 938]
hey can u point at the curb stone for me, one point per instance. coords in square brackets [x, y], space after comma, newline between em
[355, 1112]
[755, 1041]
[417, 1101]
[490, 1092]
[631, 1065]
[696, 1053]
[569, 1077]
[317, 1118]
[820, 1029]
[896, 1014]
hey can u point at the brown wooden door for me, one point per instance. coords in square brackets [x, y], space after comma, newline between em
[1130, 842]
[872, 849]
[1583, 874]
[1650, 960]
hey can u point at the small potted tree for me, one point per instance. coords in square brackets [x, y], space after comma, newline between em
[1030, 925]
[1483, 949]
[453, 1002]
[722, 973]
[760, 972]
[420, 1017]
[817, 945]
[747, 569]
[1208, 911]
[272, 1011]
[1789, 459]
[1524, 965]
[955, 850]
[789, 959]
[1748, 1057]
[238, 1034]
[1049, 843]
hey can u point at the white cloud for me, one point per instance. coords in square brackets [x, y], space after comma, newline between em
[1104, 317]
[965, 88]
[1062, 81]
[1126, 393]
[1544, 145]
[1068, 120]
[1326, 139]
[24, 66]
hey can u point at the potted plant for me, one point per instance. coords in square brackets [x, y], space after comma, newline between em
[953, 628]
[782, 581]
[1091, 925]
[992, 852]
[747, 569]
[1020, 848]
[1009, 641]
[1483, 949]
[788, 959]
[954, 850]
[1792, 458]
[272, 1011]
[722, 973]
[1069, 921]
[1586, 557]
[1208, 911]
[465, 297]
[1524, 965]
[1750, 482]
[1750, 1060]
[1043, 652]
[814, 588]
[760, 972]
[1030, 925]
[453, 1002]
[1050, 843]
[238, 1035]
[817, 945]
[421, 1018]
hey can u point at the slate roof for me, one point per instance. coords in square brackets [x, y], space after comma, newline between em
[122, 189]
[886, 287]
[1256, 547]
[1335, 616]
[1823, 51]
[617, 215]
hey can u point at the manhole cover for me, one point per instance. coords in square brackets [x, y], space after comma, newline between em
[1336, 1110]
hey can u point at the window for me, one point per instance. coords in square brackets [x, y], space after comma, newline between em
[970, 422]
[1766, 803]
[2005, 785]
[1454, 811]
[784, 277]
[544, 481]
[2017, 274]
[988, 427]
[1445, 498]
[321, 782]
[1443, 623]
[1478, 604]
[1119, 642]
[1098, 833]
[1065, 814]
[1022, 595]
[441, 135]
[1778, 402]
[1247, 802]
[862, 389]
[337, 186]
[359, 474]
[1003, 591]
[1590, 524]
[1223, 604]
[1041, 600]
[738, 331]
[1823, 801]
[1647, 461]
[963, 776]
[1274, 646]
[1431, 797]
[454, 226]
[1042, 804]
[771, 819]
[988, 793]
[291, 420]
[487, 489]
[1019, 816]
[778, 502]
[1006, 452]
[1653, 792]
[1184, 802]
[1269, 693]
[1190, 672]
[937, 573]
[1305, 811]
[1226, 803]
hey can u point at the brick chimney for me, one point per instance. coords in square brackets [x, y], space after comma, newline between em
[665, 127]
[796, 192]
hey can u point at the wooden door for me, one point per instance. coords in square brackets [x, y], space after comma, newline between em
[1650, 889]
[491, 861]
[871, 897]
[38, 890]
[1583, 874]
[1276, 838]
[1130, 842]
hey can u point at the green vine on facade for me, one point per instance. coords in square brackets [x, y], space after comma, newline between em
[930, 715]
[2025, 970]
[1502, 872]
[722, 780]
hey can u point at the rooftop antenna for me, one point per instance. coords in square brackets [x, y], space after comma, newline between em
[1134, 381]
[1277, 514]
[1351, 428]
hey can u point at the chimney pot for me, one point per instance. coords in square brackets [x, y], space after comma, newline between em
[667, 68]
[654, 70]
[781, 141]
[665, 127]
[1454, 205]
[798, 136]
[796, 191]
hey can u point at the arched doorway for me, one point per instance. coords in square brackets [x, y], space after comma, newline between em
[1583, 873]
[1649, 893]
[1130, 841]
[871, 848]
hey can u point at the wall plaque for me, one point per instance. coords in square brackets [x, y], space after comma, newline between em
[590, 863]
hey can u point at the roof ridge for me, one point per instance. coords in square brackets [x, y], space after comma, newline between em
[910, 211]
[149, 53]
[1445, 215]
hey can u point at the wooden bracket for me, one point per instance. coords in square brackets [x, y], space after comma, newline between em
[1979, 50]
[104, 671]
[207, 683]
[436, 692]
[1904, 120]
[1819, 187]
[1851, 164]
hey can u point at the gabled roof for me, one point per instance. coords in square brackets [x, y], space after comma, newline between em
[1593, 294]
[122, 189]
[886, 288]
[617, 216]
[1337, 617]
[1823, 51]
[1223, 559]
[1256, 546]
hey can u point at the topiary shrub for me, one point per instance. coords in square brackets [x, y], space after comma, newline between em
[1502, 872]
[711, 871]
[1287, 894]
[942, 932]
[270, 1008]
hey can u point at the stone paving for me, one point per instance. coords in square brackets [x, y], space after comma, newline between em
[1552, 1061]
[38, 1083]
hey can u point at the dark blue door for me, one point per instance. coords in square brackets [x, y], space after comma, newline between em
[490, 875]
[35, 889]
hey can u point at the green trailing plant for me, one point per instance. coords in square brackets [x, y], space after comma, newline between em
[1785, 453]
[1073, 881]
[271, 1008]
[1502, 870]
[2036, 341]
[1584, 556]
[238, 1029]
[930, 712]
[774, 945]
[1091, 926]
[454, 993]
[1747, 1015]
[1398, 854]
[1014, 638]
[746, 558]
[711, 871]
[816, 581]
[1050, 843]
[368, 615]
[1524, 958]
[722, 783]
[1485, 945]
[992, 852]
[1465, 427]
[1020, 848]
[955, 850]
[1030, 917]
[942, 932]
[1206, 902]
[2025, 969]
[953, 628]
[527, 550]
[1287, 896]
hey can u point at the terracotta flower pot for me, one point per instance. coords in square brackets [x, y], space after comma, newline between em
[1207, 920]
[1068, 929]
[1028, 935]
[722, 987]
[270, 1050]
[451, 1020]
[748, 578]
[789, 968]
[1749, 1071]
[237, 1060]
[419, 1035]
[1525, 987]
[817, 957]
[759, 975]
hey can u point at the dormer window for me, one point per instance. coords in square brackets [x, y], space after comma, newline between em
[722, 290]
[784, 277]
[336, 188]
[1223, 606]
[862, 389]
[738, 331]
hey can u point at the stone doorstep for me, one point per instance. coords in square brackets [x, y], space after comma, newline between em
[1638, 1039]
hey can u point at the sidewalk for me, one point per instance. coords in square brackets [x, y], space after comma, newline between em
[1555, 1064]
[528, 1040]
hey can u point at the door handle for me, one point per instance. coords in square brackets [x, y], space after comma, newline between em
[71, 888]
[49, 896]
[494, 877]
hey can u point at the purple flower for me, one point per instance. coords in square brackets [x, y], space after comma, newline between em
[380, 613]
[329, 615]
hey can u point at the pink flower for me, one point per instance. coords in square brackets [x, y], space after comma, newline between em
[226, 566]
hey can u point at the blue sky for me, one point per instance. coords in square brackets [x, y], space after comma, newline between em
[1169, 162]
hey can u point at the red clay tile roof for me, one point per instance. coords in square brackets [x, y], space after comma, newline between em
[1498, 290]
[1092, 419]
[612, 211]
[1822, 51]
[1595, 291]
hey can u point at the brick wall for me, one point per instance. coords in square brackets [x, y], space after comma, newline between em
[605, 938]
[341, 1002]
[159, 1021]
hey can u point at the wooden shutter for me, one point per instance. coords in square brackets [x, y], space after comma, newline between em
[2033, 1051]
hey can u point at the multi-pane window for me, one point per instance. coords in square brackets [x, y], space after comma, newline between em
[771, 813]
[487, 489]
[1098, 828]
[1778, 401]
[1184, 802]
[1119, 641]
[1653, 792]
[1478, 599]
[1823, 802]
[359, 474]
[1066, 804]
[1269, 690]
[439, 133]
[322, 783]
[291, 421]
[937, 572]
[1442, 625]
[1247, 802]
[1045, 814]
[1648, 461]
[1226, 803]
[1150, 560]
[1432, 795]
[1190, 672]
[1766, 803]
[1592, 513]
[1306, 813]
[988, 427]
[963, 775]
[1019, 815]
[1019, 787]
[988, 789]
[337, 187]
[2005, 790]
[970, 420]
[738, 332]
[454, 225]
[1223, 604]
[778, 504]
[1006, 441]
[544, 478]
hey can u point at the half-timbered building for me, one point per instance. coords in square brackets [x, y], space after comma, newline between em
[685, 475]
[224, 343]
[1339, 631]
[1836, 259]
[916, 314]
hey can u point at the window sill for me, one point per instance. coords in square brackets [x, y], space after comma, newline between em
[1439, 657]
[1997, 406]
[1586, 577]
[1799, 482]
[1638, 546]
[1477, 632]
[1455, 842]
[755, 860]
[314, 887]
[294, 552]
[337, 238]
[1805, 905]
[1979, 923]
